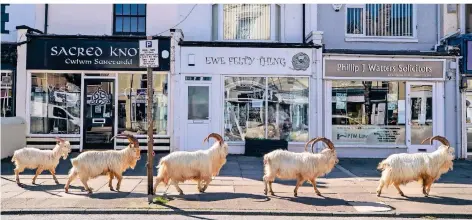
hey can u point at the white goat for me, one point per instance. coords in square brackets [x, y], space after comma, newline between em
[300, 166]
[403, 168]
[199, 165]
[33, 158]
[91, 164]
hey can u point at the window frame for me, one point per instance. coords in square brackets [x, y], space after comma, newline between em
[274, 36]
[130, 16]
[365, 38]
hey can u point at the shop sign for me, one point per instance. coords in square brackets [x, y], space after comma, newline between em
[366, 134]
[228, 60]
[91, 54]
[377, 69]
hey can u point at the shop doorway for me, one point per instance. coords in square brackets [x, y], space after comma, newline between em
[421, 116]
[99, 114]
[197, 112]
[468, 121]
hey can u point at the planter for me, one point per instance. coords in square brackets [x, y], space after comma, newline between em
[259, 147]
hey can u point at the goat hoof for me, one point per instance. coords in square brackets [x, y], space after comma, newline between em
[319, 194]
[181, 193]
[265, 192]
[111, 189]
[272, 193]
[295, 195]
[57, 182]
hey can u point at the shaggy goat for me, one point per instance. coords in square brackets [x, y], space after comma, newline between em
[400, 169]
[91, 164]
[199, 165]
[300, 166]
[33, 158]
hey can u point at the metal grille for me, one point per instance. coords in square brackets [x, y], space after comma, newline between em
[381, 20]
[246, 22]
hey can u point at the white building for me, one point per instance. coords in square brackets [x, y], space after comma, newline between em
[243, 71]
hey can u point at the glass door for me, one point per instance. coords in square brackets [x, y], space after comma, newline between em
[420, 116]
[99, 112]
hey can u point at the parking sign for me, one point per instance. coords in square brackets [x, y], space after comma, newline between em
[148, 53]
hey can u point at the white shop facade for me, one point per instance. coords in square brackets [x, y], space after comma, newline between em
[245, 90]
[87, 89]
[375, 105]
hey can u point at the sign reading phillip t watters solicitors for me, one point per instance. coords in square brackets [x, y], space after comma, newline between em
[428, 69]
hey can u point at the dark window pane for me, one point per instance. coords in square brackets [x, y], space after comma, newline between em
[126, 24]
[142, 25]
[119, 24]
[142, 9]
[118, 9]
[134, 24]
[126, 9]
[134, 9]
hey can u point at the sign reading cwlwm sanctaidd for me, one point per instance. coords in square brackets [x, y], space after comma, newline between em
[148, 53]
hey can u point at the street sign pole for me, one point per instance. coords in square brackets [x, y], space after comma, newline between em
[149, 58]
[150, 120]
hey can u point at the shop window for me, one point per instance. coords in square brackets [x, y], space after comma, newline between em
[266, 107]
[132, 107]
[246, 22]
[55, 103]
[368, 112]
[129, 19]
[380, 20]
[7, 95]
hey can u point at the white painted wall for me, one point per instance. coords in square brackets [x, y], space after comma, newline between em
[97, 19]
[450, 21]
[20, 14]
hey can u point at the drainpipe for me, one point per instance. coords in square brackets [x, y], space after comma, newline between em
[438, 21]
[46, 9]
[458, 109]
[303, 23]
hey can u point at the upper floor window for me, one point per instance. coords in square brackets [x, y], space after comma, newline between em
[246, 22]
[129, 19]
[5, 18]
[381, 20]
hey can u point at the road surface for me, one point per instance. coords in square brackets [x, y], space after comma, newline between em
[180, 217]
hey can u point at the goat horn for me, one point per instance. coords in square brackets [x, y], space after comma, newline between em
[441, 139]
[214, 135]
[308, 143]
[324, 140]
[132, 139]
[60, 139]
[427, 139]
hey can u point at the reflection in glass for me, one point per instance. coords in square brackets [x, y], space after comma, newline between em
[468, 117]
[55, 103]
[421, 113]
[198, 102]
[288, 107]
[132, 103]
[368, 112]
[7, 98]
[285, 99]
[99, 111]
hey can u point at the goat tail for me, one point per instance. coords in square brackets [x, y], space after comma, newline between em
[382, 166]
[266, 160]
[74, 162]
[13, 159]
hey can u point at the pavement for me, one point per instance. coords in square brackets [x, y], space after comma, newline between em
[349, 190]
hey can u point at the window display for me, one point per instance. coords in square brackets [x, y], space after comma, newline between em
[368, 112]
[132, 103]
[266, 107]
[55, 103]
